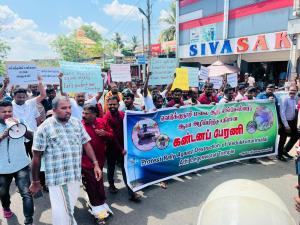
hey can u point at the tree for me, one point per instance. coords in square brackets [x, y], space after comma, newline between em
[118, 40]
[68, 48]
[168, 34]
[91, 33]
[4, 49]
[134, 42]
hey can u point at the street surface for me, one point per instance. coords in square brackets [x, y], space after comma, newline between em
[180, 203]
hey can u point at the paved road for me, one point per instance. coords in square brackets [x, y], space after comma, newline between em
[180, 203]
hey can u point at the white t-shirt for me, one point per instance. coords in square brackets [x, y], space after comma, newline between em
[251, 81]
[239, 97]
[27, 113]
[148, 101]
[77, 109]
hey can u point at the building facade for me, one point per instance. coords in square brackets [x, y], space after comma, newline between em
[252, 34]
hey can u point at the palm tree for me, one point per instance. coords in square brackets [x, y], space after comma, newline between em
[134, 42]
[168, 34]
[118, 40]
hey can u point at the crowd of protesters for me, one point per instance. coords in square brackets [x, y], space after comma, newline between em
[69, 139]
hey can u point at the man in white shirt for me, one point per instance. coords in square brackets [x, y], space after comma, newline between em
[241, 93]
[251, 81]
[148, 99]
[26, 111]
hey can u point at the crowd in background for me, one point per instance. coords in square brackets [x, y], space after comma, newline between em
[50, 157]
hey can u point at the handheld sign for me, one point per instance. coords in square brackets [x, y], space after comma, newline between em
[49, 75]
[203, 73]
[181, 81]
[193, 73]
[81, 77]
[120, 72]
[162, 70]
[217, 81]
[232, 80]
[21, 73]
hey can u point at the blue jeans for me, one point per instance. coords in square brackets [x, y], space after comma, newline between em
[22, 179]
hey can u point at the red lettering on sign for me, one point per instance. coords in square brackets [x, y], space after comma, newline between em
[261, 43]
[282, 41]
[243, 45]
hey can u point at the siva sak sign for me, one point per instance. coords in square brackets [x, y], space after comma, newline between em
[250, 44]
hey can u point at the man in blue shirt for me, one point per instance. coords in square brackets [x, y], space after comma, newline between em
[289, 116]
[14, 163]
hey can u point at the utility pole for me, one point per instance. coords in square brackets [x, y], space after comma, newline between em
[148, 17]
[143, 37]
[149, 30]
[143, 45]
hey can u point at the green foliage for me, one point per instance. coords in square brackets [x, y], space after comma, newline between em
[127, 52]
[68, 48]
[169, 33]
[4, 49]
[134, 42]
[118, 41]
[91, 33]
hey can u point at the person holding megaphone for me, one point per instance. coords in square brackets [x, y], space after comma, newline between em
[14, 162]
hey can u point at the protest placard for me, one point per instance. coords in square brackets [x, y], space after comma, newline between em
[162, 70]
[232, 79]
[120, 72]
[217, 82]
[81, 77]
[203, 73]
[21, 73]
[180, 141]
[181, 81]
[193, 74]
[49, 75]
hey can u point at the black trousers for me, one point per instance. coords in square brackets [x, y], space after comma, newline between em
[282, 147]
[22, 180]
[113, 158]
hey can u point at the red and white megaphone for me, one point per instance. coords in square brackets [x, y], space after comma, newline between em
[15, 128]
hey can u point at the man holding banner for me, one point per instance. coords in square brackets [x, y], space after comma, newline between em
[115, 152]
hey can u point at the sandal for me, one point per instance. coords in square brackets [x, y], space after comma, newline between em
[163, 185]
[7, 213]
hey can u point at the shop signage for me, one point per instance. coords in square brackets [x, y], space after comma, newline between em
[249, 44]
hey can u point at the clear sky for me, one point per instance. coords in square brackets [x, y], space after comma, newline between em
[29, 26]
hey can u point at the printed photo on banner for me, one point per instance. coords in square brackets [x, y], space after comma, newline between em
[49, 75]
[81, 77]
[193, 73]
[162, 71]
[120, 72]
[172, 142]
[232, 79]
[181, 80]
[21, 73]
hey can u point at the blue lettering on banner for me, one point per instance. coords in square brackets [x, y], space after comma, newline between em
[203, 49]
[193, 50]
[213, 47]
[227, 47]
